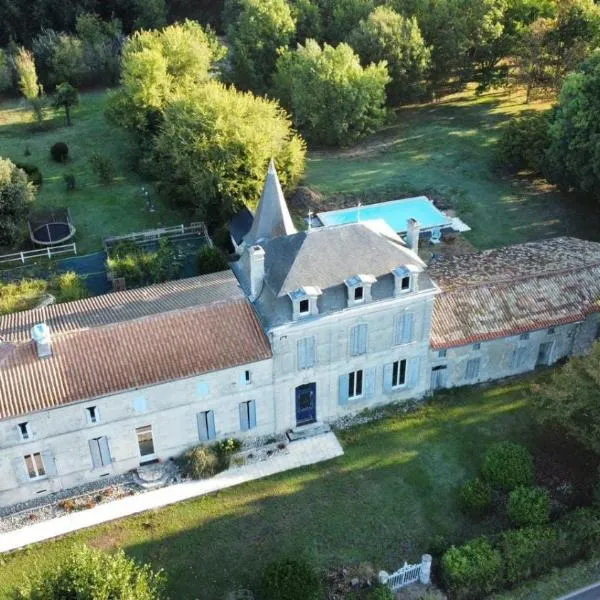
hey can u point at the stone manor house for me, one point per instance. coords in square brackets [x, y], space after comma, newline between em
[305, 328]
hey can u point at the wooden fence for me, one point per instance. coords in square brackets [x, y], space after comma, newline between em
[47, 252]
[174, 233]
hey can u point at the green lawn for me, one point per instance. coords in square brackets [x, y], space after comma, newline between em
[97, 210]
[445, 150]
[383, 502]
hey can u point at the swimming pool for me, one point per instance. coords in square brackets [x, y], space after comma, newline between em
[395, 213]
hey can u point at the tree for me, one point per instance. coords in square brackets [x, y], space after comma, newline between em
[28, 81]
[16, 195]
[570, 399]
[341, 18]
[386, 35]
[333, 100]
[65, 97]
[574, 152]
[89, 574]
[155, 66]
[309, 21]
[151, 14]
[259, 30]
[214, 146]
[5, 73]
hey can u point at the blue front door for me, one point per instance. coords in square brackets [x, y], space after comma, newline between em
[306, 404]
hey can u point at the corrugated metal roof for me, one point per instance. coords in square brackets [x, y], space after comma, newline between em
[104, 360]
[118, 307]
[511, 290]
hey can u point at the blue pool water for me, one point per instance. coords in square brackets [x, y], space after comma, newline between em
[395, 213]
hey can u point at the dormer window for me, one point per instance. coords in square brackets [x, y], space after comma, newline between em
[359, 289]
[405, 279]
[304, 302]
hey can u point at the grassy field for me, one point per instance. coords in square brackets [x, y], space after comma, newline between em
[97, 210]
[383, 502]
[445, 150]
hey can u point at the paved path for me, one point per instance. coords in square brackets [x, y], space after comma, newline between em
[300, 453]
[592, 592]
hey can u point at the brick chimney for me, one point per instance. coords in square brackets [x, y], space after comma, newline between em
[40, 334]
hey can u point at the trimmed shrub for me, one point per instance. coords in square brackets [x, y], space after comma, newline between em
[381, 592]
[579, 534]
[528, 506]
[507, 465]
[210, 260]
[472, 570]
[69, 286]
[34, 175]
[103, 168]
[528, 552]
[290, 579]
[475, 496]
[225, 449]
[70, 182]
[200, 462]
[59, 152]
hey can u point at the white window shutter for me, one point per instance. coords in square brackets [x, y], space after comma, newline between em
[20, 469]
[244, 424]
[362, 338]
[311, 352]
[354, 340]
[202, 426]
[388, 372]
[210, 417]
[343, 391]
[408, 325]
[414, 368]
[252, 414]
[49, 464]
[95, 452]
[104, 451]
[370, 382]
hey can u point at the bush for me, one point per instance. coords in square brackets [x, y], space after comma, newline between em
[200, 462]
[507, 465]
[290, 579]
[60, 152]
[210, 260]
[34, 175]
[381, 592]
[528, 552]
[472, 570]
[579, 534]
[524, 143]
[225, 449]
[475, 496]
[103, 168]
[528, 506]
[70, 182]
[68, 287]
[21, 295]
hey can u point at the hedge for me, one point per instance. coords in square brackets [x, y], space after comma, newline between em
[528, 506]
[507, 465]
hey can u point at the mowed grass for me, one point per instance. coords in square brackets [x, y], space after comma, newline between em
[446, 150]
[383, 502]
[97, 210]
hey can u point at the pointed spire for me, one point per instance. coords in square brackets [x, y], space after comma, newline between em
[272, 218]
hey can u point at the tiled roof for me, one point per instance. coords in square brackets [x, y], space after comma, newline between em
[109, 358]
[327, 256]
[503, 292]
[118, 307]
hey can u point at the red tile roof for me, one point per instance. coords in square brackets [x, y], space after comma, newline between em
[508, 291]
[104, 360]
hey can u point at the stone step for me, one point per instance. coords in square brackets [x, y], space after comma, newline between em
[308, 431]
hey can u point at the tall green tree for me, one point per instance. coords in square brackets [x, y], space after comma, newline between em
[28, 82]
[259, 30]
[5, 72]
[16, 197]
[386, 35]
[65, 97]
[89, 574]
[574, 152]
[570, 399]
[332, 98]
[151, 14]
[155, 66]
[341, 17]
[214, 146]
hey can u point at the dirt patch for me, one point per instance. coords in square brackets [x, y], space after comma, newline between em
[450, 246]
[305, 199]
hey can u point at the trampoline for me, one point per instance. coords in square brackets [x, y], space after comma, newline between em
[49, 227]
